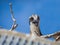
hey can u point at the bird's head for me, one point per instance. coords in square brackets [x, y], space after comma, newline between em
[34, 19]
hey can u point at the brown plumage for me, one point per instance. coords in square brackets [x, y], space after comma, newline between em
[55, 35]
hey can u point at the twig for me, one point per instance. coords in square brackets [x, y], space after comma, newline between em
[14, 20]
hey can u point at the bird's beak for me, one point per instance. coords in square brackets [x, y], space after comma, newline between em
[35, 22]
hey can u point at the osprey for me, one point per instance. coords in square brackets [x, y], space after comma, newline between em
[35, 29]
[34, 25]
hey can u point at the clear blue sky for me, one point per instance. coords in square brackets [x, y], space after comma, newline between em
[48, 10]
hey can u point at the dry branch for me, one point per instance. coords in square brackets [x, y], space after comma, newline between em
[14, 20]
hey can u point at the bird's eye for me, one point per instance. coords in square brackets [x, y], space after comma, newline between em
[31, 19]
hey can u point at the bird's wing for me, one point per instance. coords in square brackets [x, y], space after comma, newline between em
[55, 35]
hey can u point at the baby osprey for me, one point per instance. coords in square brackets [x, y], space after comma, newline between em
[35, 30]
[34, 25]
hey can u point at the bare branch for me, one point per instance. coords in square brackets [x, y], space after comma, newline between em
[14, 20]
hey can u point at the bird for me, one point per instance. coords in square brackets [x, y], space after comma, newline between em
[34, 22]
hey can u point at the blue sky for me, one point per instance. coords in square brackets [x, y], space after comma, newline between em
[48, 10]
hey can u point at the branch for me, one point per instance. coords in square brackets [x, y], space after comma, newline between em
[14, 20]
